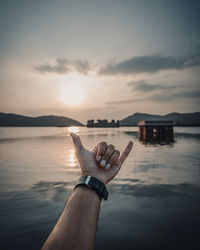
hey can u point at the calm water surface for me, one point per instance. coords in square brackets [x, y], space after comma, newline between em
[154, 201]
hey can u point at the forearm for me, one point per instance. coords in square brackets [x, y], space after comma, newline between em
[76, 228]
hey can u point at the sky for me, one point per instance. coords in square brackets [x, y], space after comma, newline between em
[89, 59]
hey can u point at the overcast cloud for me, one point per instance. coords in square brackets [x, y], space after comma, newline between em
[149, 64]
[64, 66]
[144, 55]
[142, 86]
[161, 97]
[142, 64]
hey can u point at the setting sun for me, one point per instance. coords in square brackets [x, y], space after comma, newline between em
[73, 94]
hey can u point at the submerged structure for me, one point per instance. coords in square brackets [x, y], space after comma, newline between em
[156, 131]
[103, 124]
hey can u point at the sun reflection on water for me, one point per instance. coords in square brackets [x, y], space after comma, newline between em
[72, 158]
[73, 129]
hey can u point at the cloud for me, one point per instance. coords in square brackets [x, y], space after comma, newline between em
[126, 101]
[142, 86]
[142, 64]
[196, 37]
[155, 98]
[188, 94]
[81, 66]
[64, 66]
[149, 64]
[162, 97]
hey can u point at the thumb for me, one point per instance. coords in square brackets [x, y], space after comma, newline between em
[77, 142]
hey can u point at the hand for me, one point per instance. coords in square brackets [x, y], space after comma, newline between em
[89, 160]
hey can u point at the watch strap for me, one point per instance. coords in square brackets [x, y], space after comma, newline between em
[93, 183]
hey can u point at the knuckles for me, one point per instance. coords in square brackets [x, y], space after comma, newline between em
[111, 147]
[117, 152]
[103, 144]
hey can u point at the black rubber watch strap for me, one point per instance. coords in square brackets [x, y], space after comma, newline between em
[93, 183]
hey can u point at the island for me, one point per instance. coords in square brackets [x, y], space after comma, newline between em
[15, 120]
[103, 124]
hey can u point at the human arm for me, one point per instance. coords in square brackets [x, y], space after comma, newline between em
[76, 227]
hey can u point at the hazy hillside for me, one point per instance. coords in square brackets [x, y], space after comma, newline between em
[180, 119]
[13, 120]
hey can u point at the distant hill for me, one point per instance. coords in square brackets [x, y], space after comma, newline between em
[14, 120]
[179, 119]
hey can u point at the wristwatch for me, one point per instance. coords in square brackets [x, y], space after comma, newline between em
[95, 184]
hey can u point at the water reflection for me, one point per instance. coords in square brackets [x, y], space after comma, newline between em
[190, 191]
[72, 158]
[52, 191]
[154, 197]
[151, 141]
[73, 129]
[157, 142]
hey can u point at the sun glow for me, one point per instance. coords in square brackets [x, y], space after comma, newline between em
[73, 94]
[73, 129]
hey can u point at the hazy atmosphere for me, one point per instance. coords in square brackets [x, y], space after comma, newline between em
[124, 76]
[99, 59]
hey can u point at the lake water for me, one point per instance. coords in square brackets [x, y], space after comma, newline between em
[154, 202]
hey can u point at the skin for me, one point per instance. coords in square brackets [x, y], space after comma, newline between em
[76, 227]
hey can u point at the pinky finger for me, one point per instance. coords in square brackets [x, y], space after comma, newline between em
[126, 152]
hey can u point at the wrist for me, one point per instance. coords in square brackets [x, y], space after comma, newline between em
[95, 184]
[96, 176]
[85, 192]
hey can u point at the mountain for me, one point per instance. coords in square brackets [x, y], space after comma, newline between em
[14, 120]
[179, 119]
